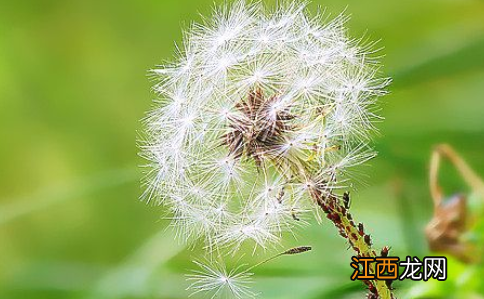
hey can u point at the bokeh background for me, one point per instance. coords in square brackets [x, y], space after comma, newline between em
[74, 85]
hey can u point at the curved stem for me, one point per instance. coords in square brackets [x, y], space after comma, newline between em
[470, 177]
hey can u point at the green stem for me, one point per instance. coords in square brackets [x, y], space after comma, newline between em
[338, 212]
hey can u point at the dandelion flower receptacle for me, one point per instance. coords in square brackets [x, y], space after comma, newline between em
[257, 123]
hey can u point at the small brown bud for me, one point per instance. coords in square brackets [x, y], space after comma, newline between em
[297, 250]
[384, 251]
[367, 239]
[361, 229]
[346, 200]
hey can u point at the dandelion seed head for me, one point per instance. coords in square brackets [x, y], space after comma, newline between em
[253, 95]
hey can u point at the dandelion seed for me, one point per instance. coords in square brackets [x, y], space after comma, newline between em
[214, 279]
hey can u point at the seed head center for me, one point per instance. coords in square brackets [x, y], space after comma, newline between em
[258, 131]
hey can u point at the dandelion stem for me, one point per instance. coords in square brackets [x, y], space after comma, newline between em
[338, 213]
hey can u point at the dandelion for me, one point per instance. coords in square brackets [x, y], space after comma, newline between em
[259, 121]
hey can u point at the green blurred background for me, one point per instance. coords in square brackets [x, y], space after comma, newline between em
[73, 87]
